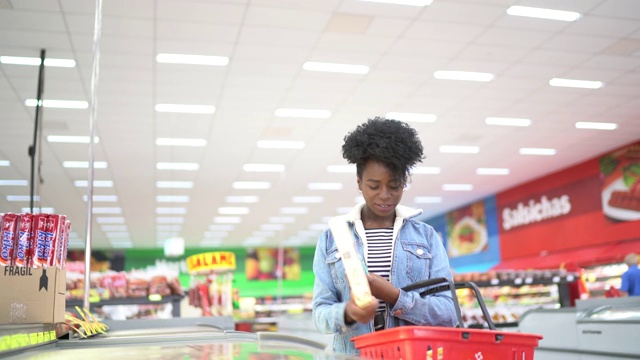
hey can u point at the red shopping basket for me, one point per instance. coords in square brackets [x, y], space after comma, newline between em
[443, 343]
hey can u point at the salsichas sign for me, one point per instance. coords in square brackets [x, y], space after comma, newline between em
[535, 211]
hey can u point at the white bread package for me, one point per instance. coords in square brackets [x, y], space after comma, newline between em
[353, 266]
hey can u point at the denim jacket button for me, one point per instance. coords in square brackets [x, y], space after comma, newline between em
[398, 313]
[338, 256]
[420, 251]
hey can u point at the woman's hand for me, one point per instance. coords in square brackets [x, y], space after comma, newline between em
[353, 312]
[383, 289]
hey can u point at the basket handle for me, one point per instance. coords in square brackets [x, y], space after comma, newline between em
[438, 285]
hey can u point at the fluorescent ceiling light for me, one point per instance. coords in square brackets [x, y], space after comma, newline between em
[412, 117]
[96, 183]
[210, 242]
[303, 113]
[454, 149]
[351, 169]
[171, 210]
[463, 75]
[117, 234]
[324, 186]
[33, 61]
[253, 185]
[241, 199]
[222, 227]
[181, 142]
[294, 210]
[83, 164]
[263, 233]
[317, 227]
[307, 199]
[22, 198]
[177, 166]
[169, 220]
[537, 151]
[432, 170]
[71, 139]
[596, 125]
[277, 144]
[215, 234]
[174, 184]
[233, 210]
[403, 2]
[114, 228]
[428, 199]
[227, 220]
[120, 244]
[542, 13]
[507, 121]
[5, 163]
[168, 227]
[492, 171]
[582, 84]
[282, 219]
[271, 227]
[172, 198]
[110, 220]
[44, 210]
[336, 68]
[14, 183]
[185, 109]
[263, 167]
[106, 210]
[192, 59]
[60, 104]
[253, 240]
[102, 198]
[457, 187]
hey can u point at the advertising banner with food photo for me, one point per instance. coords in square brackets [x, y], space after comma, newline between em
[620, 173]
[588, 204]
[470, 234]
[264, 264]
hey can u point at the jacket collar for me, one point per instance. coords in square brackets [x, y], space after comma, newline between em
[403, 212]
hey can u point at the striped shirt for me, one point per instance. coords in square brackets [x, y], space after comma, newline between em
[378, 256]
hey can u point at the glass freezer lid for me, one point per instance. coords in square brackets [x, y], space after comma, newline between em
[610, 313]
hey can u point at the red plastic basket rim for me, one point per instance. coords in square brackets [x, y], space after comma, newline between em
[439, 333]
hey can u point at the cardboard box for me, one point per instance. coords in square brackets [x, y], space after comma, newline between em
[32, 296]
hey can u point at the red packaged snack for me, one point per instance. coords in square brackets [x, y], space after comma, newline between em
[55, 224]
[63, 249]
[22, 254]
[39, 240]
[8, 233]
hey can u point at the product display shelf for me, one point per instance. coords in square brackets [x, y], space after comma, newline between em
[508, 299]
[19, 337]
[149, 300]
[600, 279]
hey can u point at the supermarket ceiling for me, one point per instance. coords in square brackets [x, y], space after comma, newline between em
[262, 46]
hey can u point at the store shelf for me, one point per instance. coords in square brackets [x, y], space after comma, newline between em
[150, 300]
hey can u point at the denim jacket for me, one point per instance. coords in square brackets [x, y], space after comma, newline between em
[418, 254]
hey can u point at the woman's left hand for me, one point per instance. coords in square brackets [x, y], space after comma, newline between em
[383, 289]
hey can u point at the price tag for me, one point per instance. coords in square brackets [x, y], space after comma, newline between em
[52, 335]
[5, 343]
[94, 299]
[517, 281]
[495, 281]
[570, 278]
[47, 337]
[556, 279]
[40, 337]
[528, 280]
[33, 339]
[155, 297]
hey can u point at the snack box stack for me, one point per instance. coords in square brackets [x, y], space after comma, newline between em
[34, 240]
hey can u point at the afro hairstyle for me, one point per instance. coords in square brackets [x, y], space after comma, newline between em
[392, 143]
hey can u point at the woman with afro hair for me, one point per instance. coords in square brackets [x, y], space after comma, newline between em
[398, 250]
